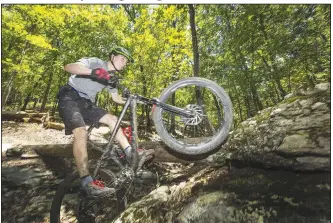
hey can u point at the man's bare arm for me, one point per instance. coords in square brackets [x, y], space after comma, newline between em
[117, 98]
[77, 68]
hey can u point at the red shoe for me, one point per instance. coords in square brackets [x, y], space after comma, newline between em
[96, 189]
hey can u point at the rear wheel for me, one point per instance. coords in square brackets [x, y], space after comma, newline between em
[209, 126]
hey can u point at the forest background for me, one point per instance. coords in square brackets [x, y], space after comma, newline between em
[258, 53]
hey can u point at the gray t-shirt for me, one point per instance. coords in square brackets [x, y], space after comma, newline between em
[86, 87]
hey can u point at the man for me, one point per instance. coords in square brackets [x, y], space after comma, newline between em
[77, 109]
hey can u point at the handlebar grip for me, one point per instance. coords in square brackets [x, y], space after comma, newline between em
[114, 80]
[113, 74]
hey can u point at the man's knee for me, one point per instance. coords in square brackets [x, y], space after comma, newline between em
[109, 119]
[80, 133]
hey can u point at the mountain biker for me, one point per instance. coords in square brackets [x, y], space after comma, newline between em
[77, 108]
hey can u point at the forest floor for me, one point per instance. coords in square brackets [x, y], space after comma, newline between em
[29, 182]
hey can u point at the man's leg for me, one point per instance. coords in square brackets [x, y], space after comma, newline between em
[70, 109]
[111, 121]
[80, 151]
[90, 187]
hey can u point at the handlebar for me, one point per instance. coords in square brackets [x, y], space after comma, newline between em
[114, 82]
[113, 78]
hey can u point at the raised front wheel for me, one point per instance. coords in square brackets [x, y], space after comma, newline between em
[209, 125]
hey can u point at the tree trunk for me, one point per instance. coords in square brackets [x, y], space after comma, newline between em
[278, 98]
[276, 80]
[27, 99]
[196, 67]
[145, 112]
[195, 48]
[7, 91]
[10, 116]
[148, 122]
[239, 104]
[35, 120]
[46, 93]
[173, 97]
[173, 121]
[256, 98]
[145, 108]
[35, 103]
[54, 107]
[54, 125]
[280, 88]
[248, 106]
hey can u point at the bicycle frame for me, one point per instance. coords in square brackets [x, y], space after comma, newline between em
[131, 103]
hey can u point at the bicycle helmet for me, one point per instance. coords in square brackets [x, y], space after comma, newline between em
[122, 51]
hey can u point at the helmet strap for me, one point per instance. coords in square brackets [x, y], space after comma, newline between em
[111, 60]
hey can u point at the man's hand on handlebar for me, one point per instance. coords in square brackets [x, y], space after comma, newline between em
[100, 75]
[105, 77]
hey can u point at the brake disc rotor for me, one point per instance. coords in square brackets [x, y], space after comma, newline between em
[197, 112]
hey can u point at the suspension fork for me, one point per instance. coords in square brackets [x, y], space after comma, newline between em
[109, 146]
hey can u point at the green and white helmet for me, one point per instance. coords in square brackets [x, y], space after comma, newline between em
[122, 51]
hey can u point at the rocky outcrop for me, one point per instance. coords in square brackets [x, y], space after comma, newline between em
[244, 195]
[294, 135]
[163, 203]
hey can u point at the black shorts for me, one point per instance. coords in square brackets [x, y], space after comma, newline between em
[77, 111]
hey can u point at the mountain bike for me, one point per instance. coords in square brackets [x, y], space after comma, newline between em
[192, 117]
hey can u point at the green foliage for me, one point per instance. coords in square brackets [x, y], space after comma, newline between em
[262, 52]
[258, 53]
